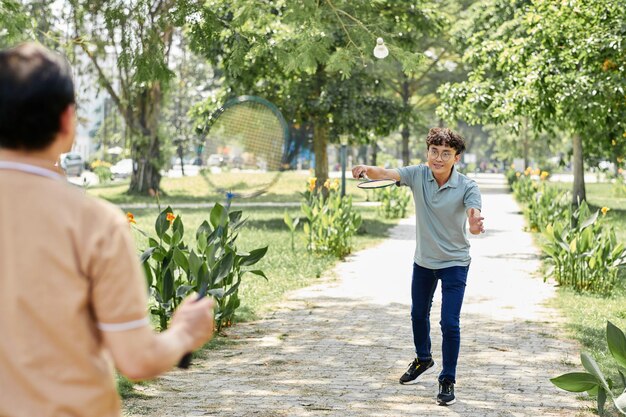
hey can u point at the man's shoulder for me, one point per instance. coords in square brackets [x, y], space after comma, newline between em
[466, 181]
[83, 205]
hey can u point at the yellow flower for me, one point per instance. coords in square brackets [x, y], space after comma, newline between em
[327, 183]
[613, 142]
[537, 171]
[517, 174]
[312, 182]
[604, 210]
[619, 170]
[620, 159]
[608, 65]
[544, 175]
[170, 217]
[131, 218]
[335, 185]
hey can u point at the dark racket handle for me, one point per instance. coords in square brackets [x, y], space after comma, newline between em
[185, 361]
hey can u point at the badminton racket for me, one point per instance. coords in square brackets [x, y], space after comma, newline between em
[244, 148]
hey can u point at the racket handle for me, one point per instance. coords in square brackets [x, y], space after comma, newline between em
[185, 361]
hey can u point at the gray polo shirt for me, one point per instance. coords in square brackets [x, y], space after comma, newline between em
[441, 214]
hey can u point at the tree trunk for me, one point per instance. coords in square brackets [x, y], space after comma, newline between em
[406, 157]
[320, 141]
[374, 152]
[578, 193]
[146, 178]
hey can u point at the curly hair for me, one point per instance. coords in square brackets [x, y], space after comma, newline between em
[442, 136]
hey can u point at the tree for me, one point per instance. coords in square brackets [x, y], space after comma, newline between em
[14, 23]
[553, 63]
[312, 58]
[129, 46]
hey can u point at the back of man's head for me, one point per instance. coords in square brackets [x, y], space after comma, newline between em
[35, 88]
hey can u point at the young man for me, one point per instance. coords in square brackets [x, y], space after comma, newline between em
[444, 199]
[72, 293]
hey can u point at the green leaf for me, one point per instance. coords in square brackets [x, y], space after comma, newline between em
[183, 290]
[254, 256]
[590, 220]
[204, 228]
[601, 401]
[224, 267]
[288, 221]
[146, 254]
[216, 292]
[217, 215]
[149, 277]
[162, 224]
[617, 343]
[592, 367]
[180, 259]
[258, 272]
[575, 381]
[168, 285]
[194, 264]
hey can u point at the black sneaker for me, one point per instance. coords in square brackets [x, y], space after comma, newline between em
[446, 393]
[416, 368]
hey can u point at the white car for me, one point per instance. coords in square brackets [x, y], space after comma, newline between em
[72, 163]
[123, 168]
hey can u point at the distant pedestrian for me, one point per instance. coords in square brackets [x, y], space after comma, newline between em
[73, 296]
[444, 200]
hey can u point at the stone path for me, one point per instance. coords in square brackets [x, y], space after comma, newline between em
[338, 348]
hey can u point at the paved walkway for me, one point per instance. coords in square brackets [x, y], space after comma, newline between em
[338, 348]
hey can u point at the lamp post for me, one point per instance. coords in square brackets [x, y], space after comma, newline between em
[343, 139]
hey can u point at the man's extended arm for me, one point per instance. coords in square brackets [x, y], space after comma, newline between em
[374, 173]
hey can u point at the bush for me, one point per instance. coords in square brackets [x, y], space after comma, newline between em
[215, 266]
[394, 201]
[584, 253]
[102, 169]
[330, 219]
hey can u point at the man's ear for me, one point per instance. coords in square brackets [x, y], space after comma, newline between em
[67, 122]
[457, 158]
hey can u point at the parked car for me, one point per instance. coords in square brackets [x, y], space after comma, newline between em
[215, 160]
[122, 169]
[72, 163]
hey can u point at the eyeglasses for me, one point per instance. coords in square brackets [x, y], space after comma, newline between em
[434, 154]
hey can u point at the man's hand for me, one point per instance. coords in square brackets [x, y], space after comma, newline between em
[475, 221]
[359, 171]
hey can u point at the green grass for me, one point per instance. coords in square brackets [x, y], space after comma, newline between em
[196, 189]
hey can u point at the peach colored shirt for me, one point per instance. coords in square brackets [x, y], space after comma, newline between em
[68, 271]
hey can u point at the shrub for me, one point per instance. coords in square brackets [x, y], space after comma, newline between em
[584, 253]
[216, 266]
[394, 201]
[330, 219]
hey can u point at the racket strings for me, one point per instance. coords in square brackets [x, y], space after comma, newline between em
[244, 149]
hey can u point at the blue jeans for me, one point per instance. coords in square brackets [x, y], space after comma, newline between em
[452, 290]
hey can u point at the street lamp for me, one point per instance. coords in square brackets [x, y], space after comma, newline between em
[343, 140]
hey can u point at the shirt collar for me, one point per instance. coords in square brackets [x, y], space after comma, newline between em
[452, 182]
[23, 163]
